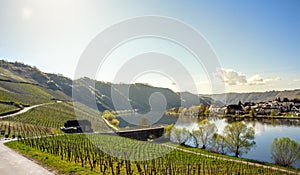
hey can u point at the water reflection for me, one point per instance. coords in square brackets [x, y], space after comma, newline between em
[265, 132]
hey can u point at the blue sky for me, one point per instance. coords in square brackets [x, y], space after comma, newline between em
[257, 42]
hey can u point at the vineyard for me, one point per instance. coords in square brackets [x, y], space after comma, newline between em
[4, 108]
[115, 155]
[22, 130]
[38, 129]
[54, 115]
[46, 120]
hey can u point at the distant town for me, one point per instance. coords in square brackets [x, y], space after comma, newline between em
[277, 107]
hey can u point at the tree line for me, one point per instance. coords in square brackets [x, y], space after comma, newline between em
[236, 139]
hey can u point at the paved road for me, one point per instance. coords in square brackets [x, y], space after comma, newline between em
[12, 163]
[23, 110]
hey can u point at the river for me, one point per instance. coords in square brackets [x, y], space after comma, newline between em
[265, 132]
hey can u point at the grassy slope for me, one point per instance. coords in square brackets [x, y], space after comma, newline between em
[27, 93]
[177, 159]
[55, 115]
[197, 150]
[7, 108]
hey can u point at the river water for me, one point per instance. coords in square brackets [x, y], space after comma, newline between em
[265, 132]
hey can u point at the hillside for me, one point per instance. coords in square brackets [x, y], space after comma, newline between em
[25, 84]
[234, 98]
[28, 85]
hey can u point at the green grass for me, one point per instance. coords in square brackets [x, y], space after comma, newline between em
[7, 75]
[28, 93]
[50, 161]
[4, 108]
[206, 152]
[89, 154]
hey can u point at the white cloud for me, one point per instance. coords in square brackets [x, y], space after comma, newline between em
[297, 80]
[231, 77]
[258, 80]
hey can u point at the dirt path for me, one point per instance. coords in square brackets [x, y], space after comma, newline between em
[232, 160]
[12, 163]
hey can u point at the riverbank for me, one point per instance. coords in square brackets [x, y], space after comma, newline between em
[259, 117]
[206, 153]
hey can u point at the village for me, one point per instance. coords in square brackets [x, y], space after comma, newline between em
[276, 107]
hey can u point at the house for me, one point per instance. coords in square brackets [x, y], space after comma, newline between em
[234, 109]
[77, 126]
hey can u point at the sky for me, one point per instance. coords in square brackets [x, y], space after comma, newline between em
[256, 43]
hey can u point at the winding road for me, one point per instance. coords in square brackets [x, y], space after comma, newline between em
[24, 110]
[12, 163]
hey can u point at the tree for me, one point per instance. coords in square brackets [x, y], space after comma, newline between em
[285, 151]
[180, 135]
[194, 110]
[115, 122]
[110, 117]
[206, 112]
[204, 133]
[144, 122]
[201, 109]
[239, 138]
[273, 113]
[168, 130]
[218, 143]
[252, 113]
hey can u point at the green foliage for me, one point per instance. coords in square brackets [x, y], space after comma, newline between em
[180, 135]
[4, 108]
[273, 112]
[285, 151]
[194, 111]
[239, 138]
[115, 122]
[203, 134]
[219, 144]
[168, 130]
[110, 117]
[206, 112]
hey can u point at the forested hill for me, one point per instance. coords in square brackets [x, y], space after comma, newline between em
[27, 84]
[234, 98]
